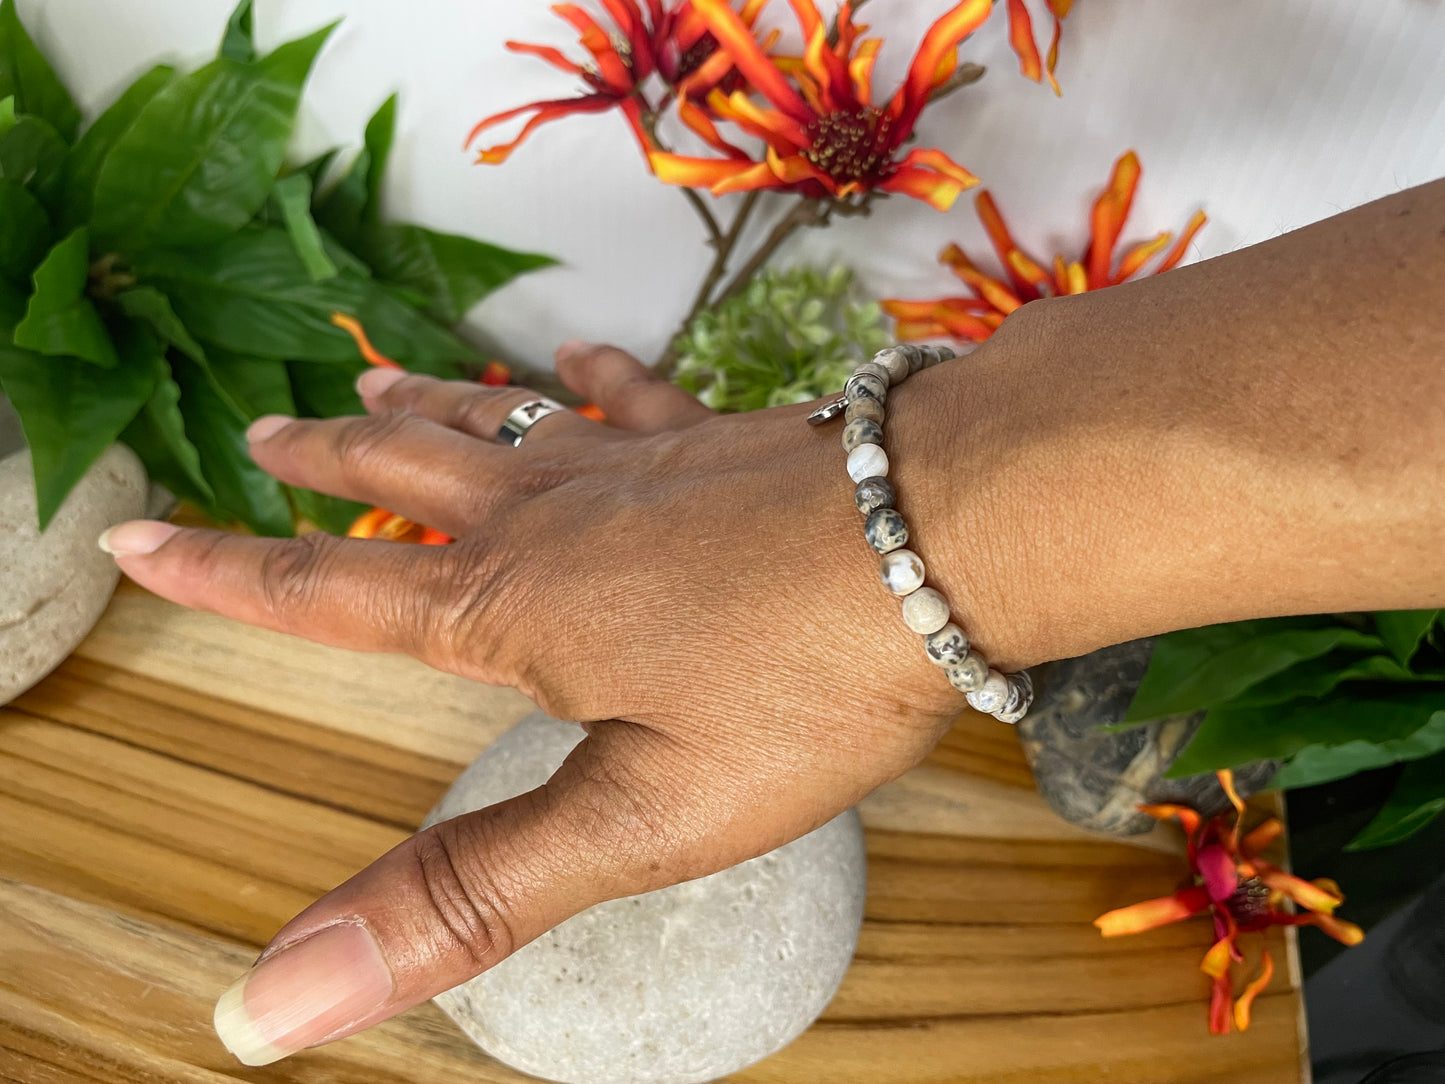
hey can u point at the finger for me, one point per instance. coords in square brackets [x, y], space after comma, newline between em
[457, 899]
[397, 460]
[630, 394]
[362, 595]
[474, 409]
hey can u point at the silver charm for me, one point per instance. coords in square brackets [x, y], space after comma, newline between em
[526, 416]
[828, 411]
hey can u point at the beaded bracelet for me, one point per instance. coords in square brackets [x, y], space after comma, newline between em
[1004, 696]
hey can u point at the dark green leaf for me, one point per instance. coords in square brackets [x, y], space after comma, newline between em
[33, 153]
[1419, 798]
[1314, 678]
[83, 163]
[1325, 763]
[355, 199]
[158, 436]
[1402, 630]
[256, 385]
[251, 294]
[24, 231]
[1199, 668]
[316, 169]
[292, 197]
[8, 118]
[200, 159]
[60, 320]
[149, 304]
[380, 135]
[239, 41]
[26, 74]
[70, 411]
[453, 273]
[1231, 736]
[326, 390]
[218, 430]
[332, 514]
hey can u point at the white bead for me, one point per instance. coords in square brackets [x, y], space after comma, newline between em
[925, 611]
[992, 696]
[867, 461]
[901, 571]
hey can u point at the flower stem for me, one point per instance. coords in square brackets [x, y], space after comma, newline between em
[806, 212]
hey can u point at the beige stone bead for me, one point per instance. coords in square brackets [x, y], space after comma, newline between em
[925, 611]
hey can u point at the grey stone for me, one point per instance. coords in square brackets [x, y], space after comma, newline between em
[1098, 779]
[54, 586]
[678, 986]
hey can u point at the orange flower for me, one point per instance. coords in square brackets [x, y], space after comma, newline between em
[823, 134]
[671, 41]
[1242, 892]
[1021, 37]
[975, 318]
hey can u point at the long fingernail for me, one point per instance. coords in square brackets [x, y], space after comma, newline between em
[570, 347]
[304, 994]
[374, 382]
[136, 537]
[266, 427]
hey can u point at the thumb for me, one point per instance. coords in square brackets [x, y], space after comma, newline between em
[455, 900]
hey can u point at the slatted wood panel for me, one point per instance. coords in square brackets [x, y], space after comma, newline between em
[183, 785]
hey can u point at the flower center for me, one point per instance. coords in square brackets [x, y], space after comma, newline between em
[1249, 904]
[693, 59]
[851, 146]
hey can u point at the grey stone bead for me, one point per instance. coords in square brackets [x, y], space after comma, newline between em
[868, 408]
[861, 432]
[946, 647]
[925, 611]
[991, 696]
[912, 354]
[886, 531]
[969, 674]
[896, 362]
[874, 493]
[679, 986]
[866, 386]
[873, 368]
[934, 355]
[901, 572]
[1020, 698]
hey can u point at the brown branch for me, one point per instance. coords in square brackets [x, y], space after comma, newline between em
[806, 212]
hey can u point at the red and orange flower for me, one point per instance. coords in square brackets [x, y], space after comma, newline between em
[1242, 893]
[671, 41]
[823, 134]
[975, 318]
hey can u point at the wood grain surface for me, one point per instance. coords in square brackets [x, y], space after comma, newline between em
[183, 785]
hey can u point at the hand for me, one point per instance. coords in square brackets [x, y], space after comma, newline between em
[694, 588]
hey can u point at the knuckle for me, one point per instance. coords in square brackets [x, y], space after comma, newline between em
[474, 412]
[469, 620]
[469, 904]
[292, 571]
[363, 443]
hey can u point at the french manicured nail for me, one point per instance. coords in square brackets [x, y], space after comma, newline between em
[374, 382]
[304, 994]
[136, 537]
[264, 428]
[568, 348]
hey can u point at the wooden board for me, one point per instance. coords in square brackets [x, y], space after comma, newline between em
[183, 785]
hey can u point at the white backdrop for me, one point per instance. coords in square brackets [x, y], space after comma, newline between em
[1268, 113]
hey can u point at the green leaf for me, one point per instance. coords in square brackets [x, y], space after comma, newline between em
[251, 294]
[61, 321]
[70, 411]
[256, 385]
[1199, 668]
[218, 430]
[203, 154]
[292, 197]
[332, 514]
[8, 119]
[1325, 763]
[326, 390]
[26, 74]
[239, 41]
[1418, 798]
[1231, 736]
[316, 169]
[355, 200]
[149, 304]
[33, 153]
[24, 231]
[379, 137]
[158, 435]
[83, 163]
[1319, 677]
[1403, 630]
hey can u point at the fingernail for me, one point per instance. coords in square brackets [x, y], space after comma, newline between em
[570, 347]
[374, 382]
[303, 994]
[267, 427]
[137, 536]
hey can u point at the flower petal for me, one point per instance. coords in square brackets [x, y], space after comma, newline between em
[545, 113]
[696, 118]
[1141, 254]
[795, 169]
[1253, 990]
[1177, 252]
[1215, 865]
[1346, 933]
[1187, 817]
[1060, 8]
[1320, 898]
[693, 172]
[1003, 244]
[934, 159]
[1107, 219]
[430, 536]
[353, 327]
[1052, 63]
[990, 289]
[1186, 903]
[938, 44]
[1021, 37]
[777, 129]
[737, 39]
[935, 189]
[552, 56]
[1262, 835]
[830, 73]
[1220, 996]
[613, 70]
[1021, 266]
[747, 179]
[861, 69]
[1217, 960]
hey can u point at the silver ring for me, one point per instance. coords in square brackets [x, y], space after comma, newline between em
[526, 416]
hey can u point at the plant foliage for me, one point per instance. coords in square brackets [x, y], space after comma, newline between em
[165, 278]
